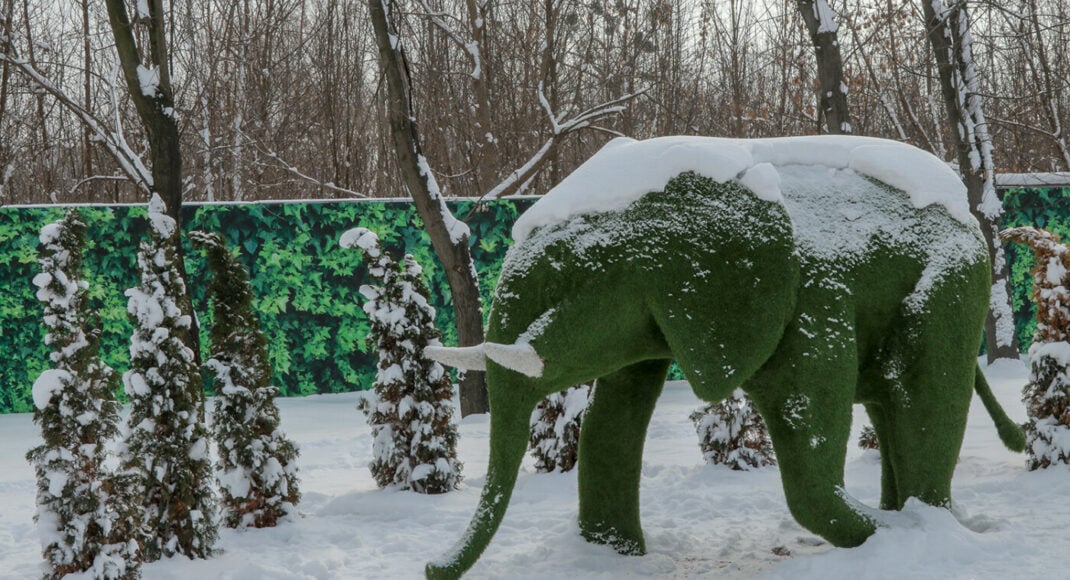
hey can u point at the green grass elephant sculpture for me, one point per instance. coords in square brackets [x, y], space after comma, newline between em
[813, 273]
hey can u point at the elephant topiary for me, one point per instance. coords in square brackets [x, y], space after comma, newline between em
[813, 273]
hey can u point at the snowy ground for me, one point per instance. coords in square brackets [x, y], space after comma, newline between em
[700, 521]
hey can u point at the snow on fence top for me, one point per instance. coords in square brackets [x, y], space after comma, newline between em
[1038, 180]
[625, 170]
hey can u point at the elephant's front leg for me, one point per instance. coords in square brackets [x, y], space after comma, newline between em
[611, 454]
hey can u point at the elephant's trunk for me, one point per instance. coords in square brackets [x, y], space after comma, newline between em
[508, 442]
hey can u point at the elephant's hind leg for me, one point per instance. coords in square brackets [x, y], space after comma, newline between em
[611, 454]
[926, 421]
[924, 386]
[882, 426]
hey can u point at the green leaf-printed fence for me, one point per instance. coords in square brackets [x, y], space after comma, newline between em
[1042, 208]
[306, 286]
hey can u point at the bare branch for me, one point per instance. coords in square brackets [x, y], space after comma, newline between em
[130, 163]
[292, 170]
[518, 178]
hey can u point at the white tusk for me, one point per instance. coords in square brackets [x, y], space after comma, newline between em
[520, 357]
[471, 358]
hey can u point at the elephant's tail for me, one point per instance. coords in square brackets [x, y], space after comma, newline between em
[1010, 432]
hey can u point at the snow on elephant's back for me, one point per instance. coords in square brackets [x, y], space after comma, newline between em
[626, 169]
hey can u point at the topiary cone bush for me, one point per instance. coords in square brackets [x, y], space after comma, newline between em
[411, 411]
[85, 524]
[555, 429]
[732, 433]
[257, 467]
[167, 440]
[1047, 395]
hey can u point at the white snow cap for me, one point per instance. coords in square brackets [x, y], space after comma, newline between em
[164, 224]
[47, 384]
[50, 233]
[149, 79]
[626, 169]
[362, 238]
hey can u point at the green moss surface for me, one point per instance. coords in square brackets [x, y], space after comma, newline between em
[845, 293]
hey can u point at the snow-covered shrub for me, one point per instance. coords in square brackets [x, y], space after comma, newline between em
[84, 523]
[555, 429]
[732, 433]
[868, 438]
[1047, 395]
[410, 413]
[167, 440]
[257, 468]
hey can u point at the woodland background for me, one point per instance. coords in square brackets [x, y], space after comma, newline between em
[282, 99]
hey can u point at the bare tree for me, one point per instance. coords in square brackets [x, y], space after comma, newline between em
[149, 87]
[449, 236]
[821, 24]
[949, 36]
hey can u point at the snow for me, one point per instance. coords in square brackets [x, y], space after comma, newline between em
[148, 79]
[50, 382]
[999, 303]
[164, 224]
[536, 328]
[826, 17]
[1057, 351]
[1055, 271]
[458, 230]
[625, 170]
[50, 233]
[700, 521]
[1033, 179]
[361, 238]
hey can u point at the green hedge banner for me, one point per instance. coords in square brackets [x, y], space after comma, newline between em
[306, 286]
[1042, 208]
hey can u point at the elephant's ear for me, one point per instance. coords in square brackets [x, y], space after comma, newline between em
[469, 358]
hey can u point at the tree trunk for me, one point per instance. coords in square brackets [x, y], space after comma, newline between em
[949, 36]
[87, 100]
[42, 121]
[832, 91]
[449, 237]
[7, 10]
[490, 165]
[155, 108]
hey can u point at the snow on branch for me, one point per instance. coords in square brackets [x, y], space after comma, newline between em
[826, 17]
[130, 163]
[518, 178]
